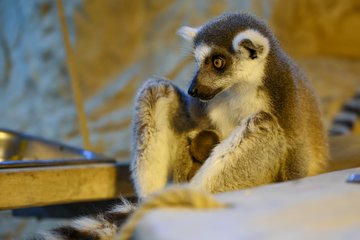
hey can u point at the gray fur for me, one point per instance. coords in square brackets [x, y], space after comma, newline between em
[290, 144]
[222, 30]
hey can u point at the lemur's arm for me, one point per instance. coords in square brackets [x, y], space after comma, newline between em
[250, 156]
[156, 139]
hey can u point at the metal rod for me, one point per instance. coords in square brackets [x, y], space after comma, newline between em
[74, 78]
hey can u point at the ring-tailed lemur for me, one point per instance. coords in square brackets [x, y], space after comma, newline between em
[246, 89]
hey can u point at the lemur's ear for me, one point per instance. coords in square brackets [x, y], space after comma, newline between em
[188, 33]
[251, 44]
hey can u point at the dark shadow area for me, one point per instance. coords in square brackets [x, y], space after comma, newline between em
[69, 210]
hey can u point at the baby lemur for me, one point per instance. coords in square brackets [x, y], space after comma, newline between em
[246, 94]
[200, 149]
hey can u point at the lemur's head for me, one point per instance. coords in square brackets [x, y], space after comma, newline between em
[229, 50]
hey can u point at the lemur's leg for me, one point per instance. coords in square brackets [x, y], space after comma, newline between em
[155, 137]
[250, 156]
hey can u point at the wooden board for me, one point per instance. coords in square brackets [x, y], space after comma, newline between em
[54, 185]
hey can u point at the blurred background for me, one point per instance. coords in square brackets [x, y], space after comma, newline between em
[118, 44]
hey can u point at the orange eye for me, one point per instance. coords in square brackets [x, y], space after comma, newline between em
[218, 62]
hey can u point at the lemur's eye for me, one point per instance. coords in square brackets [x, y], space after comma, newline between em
[218, 62]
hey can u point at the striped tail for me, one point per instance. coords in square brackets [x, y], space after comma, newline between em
[345, 121]
[101, 227]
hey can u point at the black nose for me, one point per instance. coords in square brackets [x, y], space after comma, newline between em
[193, 91]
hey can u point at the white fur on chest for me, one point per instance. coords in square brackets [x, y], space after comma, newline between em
[228, 109]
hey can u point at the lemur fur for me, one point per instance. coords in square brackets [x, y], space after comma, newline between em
[200, 149]
[174, 197]
[247, 90]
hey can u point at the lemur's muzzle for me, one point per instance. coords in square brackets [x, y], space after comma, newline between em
[202, 92]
